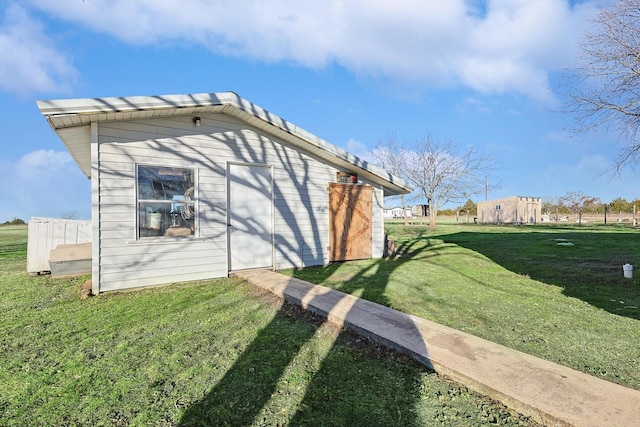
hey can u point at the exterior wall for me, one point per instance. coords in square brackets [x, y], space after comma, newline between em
[420, 210]
[513, 210]
[377, 223]
[45, 234]
[301, 226]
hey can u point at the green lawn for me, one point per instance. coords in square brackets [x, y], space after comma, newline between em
[516, 286]
[201, 353]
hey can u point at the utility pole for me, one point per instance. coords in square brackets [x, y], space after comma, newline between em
[486, 188]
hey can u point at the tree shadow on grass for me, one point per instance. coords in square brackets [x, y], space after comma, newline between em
[347, 387]
[390, 406]
[586, 264]
[249, 384]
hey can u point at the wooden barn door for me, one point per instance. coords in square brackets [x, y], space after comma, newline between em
[349, 221]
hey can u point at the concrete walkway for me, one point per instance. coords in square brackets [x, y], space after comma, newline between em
[547, 392]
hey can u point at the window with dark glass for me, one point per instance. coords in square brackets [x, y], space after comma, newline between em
[166, 201]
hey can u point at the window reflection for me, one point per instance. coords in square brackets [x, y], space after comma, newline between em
[166, 201]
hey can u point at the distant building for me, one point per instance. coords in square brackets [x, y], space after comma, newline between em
[511, 210]
[421, 210]
[396, 212]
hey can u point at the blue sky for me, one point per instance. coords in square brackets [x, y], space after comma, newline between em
[482, 73]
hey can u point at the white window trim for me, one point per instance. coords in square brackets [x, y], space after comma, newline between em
[196, 206]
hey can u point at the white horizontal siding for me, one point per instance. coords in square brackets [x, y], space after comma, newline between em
[302, 219]
[160, 276]
[167, 257]
[301, 210]
[377, 223]
[246, 146]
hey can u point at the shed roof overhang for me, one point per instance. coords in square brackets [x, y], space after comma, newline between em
[71, 119]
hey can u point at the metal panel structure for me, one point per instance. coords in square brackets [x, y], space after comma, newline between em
[45, 234]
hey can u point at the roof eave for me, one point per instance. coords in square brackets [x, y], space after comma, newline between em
[78, 112]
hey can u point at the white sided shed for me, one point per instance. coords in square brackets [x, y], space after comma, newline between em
[190, 187]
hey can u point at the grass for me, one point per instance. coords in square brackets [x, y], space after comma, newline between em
[516, 286]
[201, 353]
[13, 241]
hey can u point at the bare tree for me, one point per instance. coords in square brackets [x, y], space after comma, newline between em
[443, 173]
[392, 158]
[70, 215]
[440, 172]
[579, 203]
[607, 92]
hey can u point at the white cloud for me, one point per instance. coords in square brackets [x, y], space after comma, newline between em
[510, 47]
[30, 61]
[358, 148]
[43, 183]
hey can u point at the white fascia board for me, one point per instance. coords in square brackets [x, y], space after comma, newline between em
[133, 103]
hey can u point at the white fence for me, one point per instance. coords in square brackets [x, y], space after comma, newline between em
[611, 218]
[45, 234]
